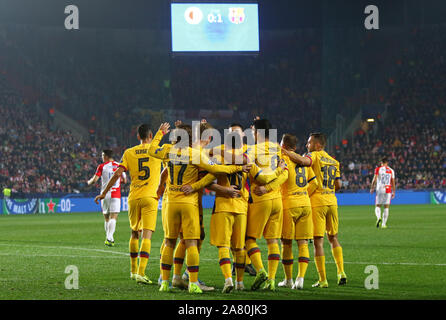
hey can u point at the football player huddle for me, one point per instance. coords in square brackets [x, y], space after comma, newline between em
[262, 189]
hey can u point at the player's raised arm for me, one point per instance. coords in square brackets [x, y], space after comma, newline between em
[300, 160]
[117, 175]
[155, 150]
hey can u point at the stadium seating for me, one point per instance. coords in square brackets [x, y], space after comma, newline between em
[110, 92]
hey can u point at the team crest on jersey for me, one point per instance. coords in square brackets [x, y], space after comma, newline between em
[237, 15]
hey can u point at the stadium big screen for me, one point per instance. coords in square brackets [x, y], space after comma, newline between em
[215, 27]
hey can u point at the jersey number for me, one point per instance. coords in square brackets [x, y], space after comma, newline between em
[143, 169]
[274, 162]
[301, 177]
[235, 179]
[329, 176]
[180, 173]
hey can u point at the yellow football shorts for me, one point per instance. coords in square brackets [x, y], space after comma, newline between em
[182, 217]
[265, 217]
[228, 229]
[142, 213]
[297, 223]
[202, 233]
[325, 218]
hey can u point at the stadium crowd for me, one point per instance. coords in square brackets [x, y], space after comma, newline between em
[413, 135]
[284, 87]
[36, 156]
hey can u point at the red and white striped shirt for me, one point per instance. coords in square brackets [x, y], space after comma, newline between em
[106, 171]
[385, 175]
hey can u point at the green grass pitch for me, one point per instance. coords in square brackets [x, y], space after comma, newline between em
[36, 249]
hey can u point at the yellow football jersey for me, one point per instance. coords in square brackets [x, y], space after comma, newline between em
[266, 155]
[218, 153]
[183, 170]
[294, 190]
[240, 180]
[326, 169]
[144, 171]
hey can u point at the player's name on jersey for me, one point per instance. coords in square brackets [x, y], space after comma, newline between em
[141, 151]
[324, 159]
[140, 185]
[299, 193]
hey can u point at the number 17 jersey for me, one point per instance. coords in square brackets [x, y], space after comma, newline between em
[144, 171]
[326, 169]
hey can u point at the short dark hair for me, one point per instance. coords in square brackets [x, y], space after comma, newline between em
[319, 137]
[204, 126]
[263, 124]
[108, 153]
[290, 140]
[188, 129]
[236, 125]
[384, 160]
[143, 131]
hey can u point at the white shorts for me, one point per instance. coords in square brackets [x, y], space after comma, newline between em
[383, 198]
[109, 205]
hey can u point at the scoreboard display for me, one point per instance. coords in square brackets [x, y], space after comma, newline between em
[215, 27]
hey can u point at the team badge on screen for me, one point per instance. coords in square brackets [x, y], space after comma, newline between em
[237, 15]
[193, 15]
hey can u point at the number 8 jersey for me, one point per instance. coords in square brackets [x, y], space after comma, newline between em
[144, 172]
[327, 171]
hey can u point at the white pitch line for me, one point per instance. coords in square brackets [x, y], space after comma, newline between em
[61, 255]
[63, 247]
[204, 259]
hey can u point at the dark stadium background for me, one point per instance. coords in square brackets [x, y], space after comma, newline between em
[66, 95]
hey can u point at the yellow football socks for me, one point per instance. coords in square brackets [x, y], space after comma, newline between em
[240, 257]
[287, 260]
[339, 259]
[304, 258]
[225, 262]
[133, 249]
[320, 266]
[178, 258]
[144, 253]
[247, 259]
[166, 262]
[192, 261]
[273, 259]
[254, 254]
[161, 253]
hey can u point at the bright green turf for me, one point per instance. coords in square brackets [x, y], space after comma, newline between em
[35, 249]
